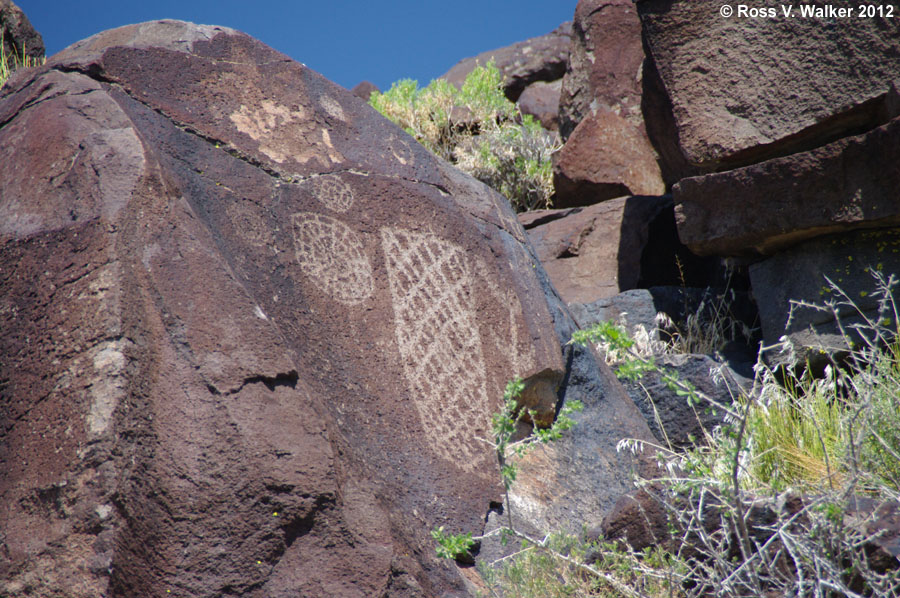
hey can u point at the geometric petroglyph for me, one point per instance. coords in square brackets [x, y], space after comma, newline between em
[334, 193]
[284, 132]
[249, 223]
[332, 256]
[437, 333]
[332, 108]
[401, 150]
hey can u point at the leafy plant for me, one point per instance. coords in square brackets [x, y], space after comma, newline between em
[478, 130]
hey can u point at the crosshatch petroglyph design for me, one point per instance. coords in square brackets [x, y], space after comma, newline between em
[332, 256]
[334, 193]
[437, 333]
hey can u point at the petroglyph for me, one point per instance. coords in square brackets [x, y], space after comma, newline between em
[332, 108]
[509, 222]
[435, 323]
[334, 193]
[333, 256]
[400, 150]
[285, 133]
[249, 224]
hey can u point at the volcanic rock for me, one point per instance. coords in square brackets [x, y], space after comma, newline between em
[20, 40]
[252, 331]
[604, 67]
[634, 309]
[672, 419]
[541, 100]
[721, 93]
[605, 157]
[364, 89]
[760, 209]
[541, 58]
[596, 252]
[798, 275]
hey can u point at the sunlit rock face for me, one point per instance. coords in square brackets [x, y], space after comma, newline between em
[252, 332]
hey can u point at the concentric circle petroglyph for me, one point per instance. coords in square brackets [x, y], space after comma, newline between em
[332, 255]
[334, 193]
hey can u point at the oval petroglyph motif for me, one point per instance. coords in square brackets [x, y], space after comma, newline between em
[332, 256]
[334, 193]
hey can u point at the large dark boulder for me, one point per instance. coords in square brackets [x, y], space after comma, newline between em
[541, 58]
[595, 252]
[605, 157]
[252, 332]
[787, 285]
[761, 209]
[721, 93]
[604, 67]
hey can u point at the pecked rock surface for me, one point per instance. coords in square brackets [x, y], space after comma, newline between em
[721, 93]
[252, 332]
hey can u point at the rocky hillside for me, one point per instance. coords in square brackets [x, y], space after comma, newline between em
[253, 333]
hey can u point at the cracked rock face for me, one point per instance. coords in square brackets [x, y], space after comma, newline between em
[252, 332]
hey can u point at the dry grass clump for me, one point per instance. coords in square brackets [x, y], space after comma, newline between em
[781, 500]
[9, 63]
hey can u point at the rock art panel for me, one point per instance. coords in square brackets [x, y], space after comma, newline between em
[433, 308]
[275, 127]
[335, 194]
[333, 256]
[186, 401]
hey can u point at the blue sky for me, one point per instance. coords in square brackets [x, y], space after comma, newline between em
[345, 40]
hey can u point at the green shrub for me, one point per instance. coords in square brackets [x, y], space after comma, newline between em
[478, 130]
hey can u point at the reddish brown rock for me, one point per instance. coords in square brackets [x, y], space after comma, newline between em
[20, 40]
[727, 92]
[605, 157]
[364, 89]
[764, 208]
[541, 100]
[604, 67]
[541, 58]
[252, 332]
[596, 252]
